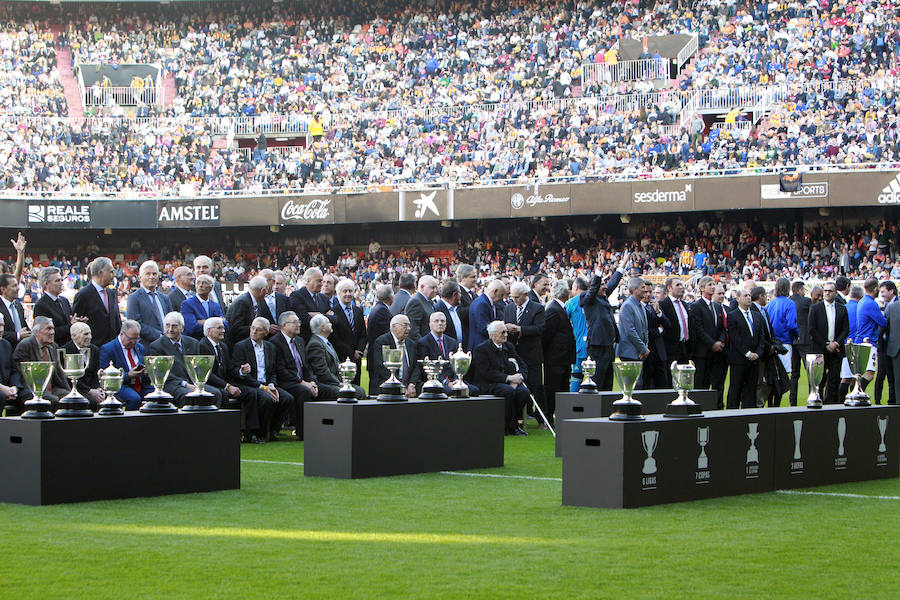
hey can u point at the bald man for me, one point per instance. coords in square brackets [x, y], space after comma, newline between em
[420, 307]
[181, 291]
[484, 309]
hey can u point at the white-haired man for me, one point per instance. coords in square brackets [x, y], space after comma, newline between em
[307, 301]
[349, 336]
[88, 385]
[176, 345]
[147, 305]
[500, 371]
[203, 265]
[244, 309]
[397, 337]
[324, 361]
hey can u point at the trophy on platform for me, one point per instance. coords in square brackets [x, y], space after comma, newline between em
[433, 389]
[627, 408]
[815, 370]
[111, 380]
[683, 381]
[199, 367]
[858, 356]
[392, 389]
[158, 401]
[74, 404]
[36, 375]
[460, 362]
[588, 369]
[347, 393]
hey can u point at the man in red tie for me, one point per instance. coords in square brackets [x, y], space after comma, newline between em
[676, 337]
[97, 302]
[438, 345]
[126, 353]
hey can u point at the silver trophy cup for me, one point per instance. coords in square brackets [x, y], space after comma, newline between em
[37, 375]
[588, 370]
[433, 389]
[158, 401]
[683, 381]
[199, 367]
[460, 362]
[347, 393]
[627, 408]
[815, 370]
[111, 380]
[74, 404]
[858, 356]
[392, 389]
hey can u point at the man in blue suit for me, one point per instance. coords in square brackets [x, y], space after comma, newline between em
[200, 307]
[485, 309]
[147, 305]
[127, 354]
[633, 333]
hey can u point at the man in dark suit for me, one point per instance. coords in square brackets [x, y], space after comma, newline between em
[40, 347]
[99, 303]
[420, 306]
[653, 375]
[147, 305]
[307, 302]
[244, 309]
[253, 366]
[707, 332]
[467, 278]
[349, 326]
[407, 289]
[450, 294]
[677, 337]
[766, 390]
[888, 292]
[409, 372]
[602, 329]
[126, 353]
[292, 369]
[500, 371]
[88, 385]
[51, 304]
[746, 345]
[801, 345]
[559, 347]
[181, 291]
[828, 328]
[485, 309]
[892, 347]
[437, 344]
[13, 393]
[324, 361]
[273, 304]
[12, 311]
[173, 344]
[378, 324]
[540, 285]
[255, 404]
[203, 265]
[199, 307]
[524, 320]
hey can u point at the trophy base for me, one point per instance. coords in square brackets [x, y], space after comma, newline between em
[814, 402]
[626, 410]
[347, 395]
[72, 406]
[683, 410]
[588, 388]
[158, 405]
[111, 410]
[37, 409]
[460, 392]
[433, 392]
[199, 408]
[392, 392]
[858, 401]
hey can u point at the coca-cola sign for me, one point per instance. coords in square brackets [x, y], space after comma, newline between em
[303, 210]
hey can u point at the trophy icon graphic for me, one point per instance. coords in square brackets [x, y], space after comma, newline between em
[882, 429]
[703, 440]
[649, 439]
[752, 452]
[798, 430]
[841, 433]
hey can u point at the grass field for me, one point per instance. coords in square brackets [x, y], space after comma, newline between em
[450, 535]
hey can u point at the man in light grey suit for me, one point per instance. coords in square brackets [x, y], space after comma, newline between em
[633, 335]
[147, 305]
[324, 361]
[893, 346]
[420, 307]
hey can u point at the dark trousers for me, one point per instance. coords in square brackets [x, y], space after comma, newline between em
[742, 387]
[257, 408]
[895, 368]
[516, 398]
[797, 363]
[280, 410]
[556, 379]
[710, 375]
[885, 371]
[832, 377]
[603, 356]
[679, 354]
[301, 395]
[653, 374]
[535, 383]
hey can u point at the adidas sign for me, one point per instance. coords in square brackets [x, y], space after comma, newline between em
[891, 193]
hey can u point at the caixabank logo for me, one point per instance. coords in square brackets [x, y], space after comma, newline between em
[891, 192]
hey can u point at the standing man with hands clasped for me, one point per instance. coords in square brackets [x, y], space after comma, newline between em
[633, 333]
[746, 344]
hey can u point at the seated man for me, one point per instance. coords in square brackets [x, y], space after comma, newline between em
[13, 393]
[253, 366]
[200, 307]
[324, 360]
[89, 383]
[499, 371]
[40, 347]
[409, 371]
[292, 366]
[437, 345]
[255, 405]
[173, 344]
[126, 352]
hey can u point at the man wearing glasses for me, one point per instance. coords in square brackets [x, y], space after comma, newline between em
[126, 353]
[829, 327]
[500, 371]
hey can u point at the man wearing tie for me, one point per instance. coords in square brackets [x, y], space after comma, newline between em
[765, 384]
[181, 291]
[12, 311]
[274, 303]
[437, 344]
[292, 367]
[540, 285]
[40, 347]
[147, 305]
[203, 265]
[653, 375]
[500, 371]
[745, 348]
[708, 334]
[486, 308]
[829, 326]
[633, 335]
[525, 323]
[324, 361]
[398, 337]
[126, 353]
[420, 306]
[99, 303]
[378, 323]
[244, 309]
[200, 307]
[173, 344]
[451, 293]
[349, 326]
[51, 304]
[677, 338]
[559, 347]
[307, 302]
[466, 277]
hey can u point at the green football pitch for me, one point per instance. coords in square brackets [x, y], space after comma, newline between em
[494, 533]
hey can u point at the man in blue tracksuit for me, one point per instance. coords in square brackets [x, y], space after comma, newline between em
[869, 321]
[783, 315]
[579, 328]
[856, 294]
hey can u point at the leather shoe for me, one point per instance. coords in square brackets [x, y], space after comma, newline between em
[255, 439]
[520, 431]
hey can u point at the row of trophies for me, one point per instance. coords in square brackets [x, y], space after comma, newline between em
[38, 374]
[628, 373]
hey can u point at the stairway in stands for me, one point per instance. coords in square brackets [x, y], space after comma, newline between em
[67, 78]
[168, 90]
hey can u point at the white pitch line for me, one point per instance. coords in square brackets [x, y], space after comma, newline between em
[497, 476]
[271, 462]
[836, 494]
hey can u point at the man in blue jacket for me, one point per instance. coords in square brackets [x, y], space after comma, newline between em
[869, 321]
[783, 314]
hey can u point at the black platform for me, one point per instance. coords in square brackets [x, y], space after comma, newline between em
[575, 405]
[103, 458]
[616, 464]
[373, 439]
